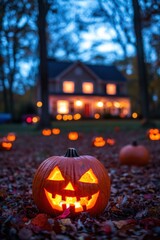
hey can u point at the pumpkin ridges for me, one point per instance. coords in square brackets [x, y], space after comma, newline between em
[73, 167]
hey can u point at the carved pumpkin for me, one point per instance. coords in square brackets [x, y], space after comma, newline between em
[5, 144]
[73, 136]
[11, 137]
[154, 134]
[56, 131]
[98, 142]
[80, 183]
[110, 141]
[46, 132]
[134, 154]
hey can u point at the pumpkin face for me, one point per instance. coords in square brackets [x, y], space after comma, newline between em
[98, 142]
[80, 183]
[73, 136]
[154, 134]
[134, 154]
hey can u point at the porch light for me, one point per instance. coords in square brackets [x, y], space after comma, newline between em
[78, 103]
[100, 104]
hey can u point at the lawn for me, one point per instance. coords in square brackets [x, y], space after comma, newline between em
[133, 210]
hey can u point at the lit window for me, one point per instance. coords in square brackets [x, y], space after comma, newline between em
[87, 87]
[111, 89]
[62, 107]
[68, 87]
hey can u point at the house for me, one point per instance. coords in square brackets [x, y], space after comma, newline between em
[85, 90]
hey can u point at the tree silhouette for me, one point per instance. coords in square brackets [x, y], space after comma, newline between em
[44, 118]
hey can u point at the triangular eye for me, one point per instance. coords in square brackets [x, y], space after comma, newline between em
[88, 177]
[55, 175]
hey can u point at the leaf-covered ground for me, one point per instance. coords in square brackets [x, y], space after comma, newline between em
[133, 211]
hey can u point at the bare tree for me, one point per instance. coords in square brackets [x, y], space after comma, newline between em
[44, 118]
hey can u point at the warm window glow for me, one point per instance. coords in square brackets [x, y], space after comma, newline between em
[111, 89]
[87, 87]
[68, 87]
[62, 106]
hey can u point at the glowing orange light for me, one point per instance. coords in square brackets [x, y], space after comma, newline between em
[97, 115]
[39, 104]
[73, 136]
[98, 142]
[46, 132]
[56, 131]
[134, 115]
[11, 137]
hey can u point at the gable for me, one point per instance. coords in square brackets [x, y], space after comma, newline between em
[103, 72]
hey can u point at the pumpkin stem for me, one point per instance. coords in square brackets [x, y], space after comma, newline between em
[134, 143]
[71, 152]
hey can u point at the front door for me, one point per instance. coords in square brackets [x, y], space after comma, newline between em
[87, 110]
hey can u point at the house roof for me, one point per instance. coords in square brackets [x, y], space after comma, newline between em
[104, 72]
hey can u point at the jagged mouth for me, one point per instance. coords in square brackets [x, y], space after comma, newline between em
[79, 204]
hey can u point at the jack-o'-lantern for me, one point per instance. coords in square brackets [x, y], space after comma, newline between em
[5, 144]
[154, 134]
[11, 136]
[134, 154]
[73, 136]
[56, 131]
[110, 141]
[80, 183]
[46, 132]
[98, 142]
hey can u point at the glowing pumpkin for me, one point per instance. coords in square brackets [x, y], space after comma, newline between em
[80, 183]
[154, 134]
[98, 142]
[110, 141]
[56, 131]
[5, 144]
[73, 136]
[134, 154]
[11, 137]
[46, 132]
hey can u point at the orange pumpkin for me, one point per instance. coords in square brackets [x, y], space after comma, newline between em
[56, 131]
[110, 141]
[134, 154]
[98, 141]
[46, 132]
[73, 136]
[11, 137]
[153, 134]
[80, 183]
[5, 144]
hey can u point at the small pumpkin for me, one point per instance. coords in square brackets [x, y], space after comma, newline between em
[5, 145]
[110, 141]
[153, 134]
[56, 131]
[46, 132]
[11, 137]
[98, 141]
[73, 136]
[134, 154]
[80, 183]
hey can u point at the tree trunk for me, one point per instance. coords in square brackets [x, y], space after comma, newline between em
[44, 118]
[142, 74]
